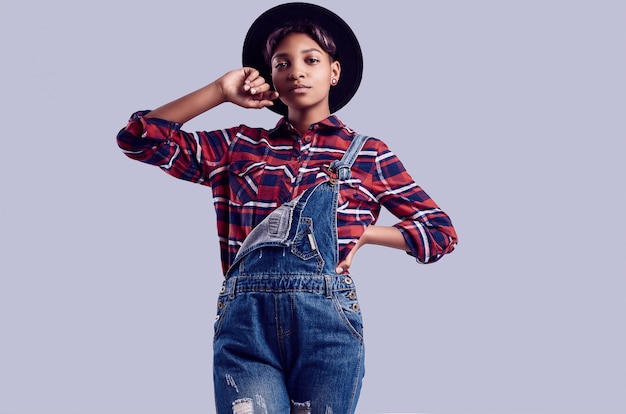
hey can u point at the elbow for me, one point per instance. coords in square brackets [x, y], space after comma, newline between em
[428, 244]
[431, 247]
[133, 146]
[445, 245]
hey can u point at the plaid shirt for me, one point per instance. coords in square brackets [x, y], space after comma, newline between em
[251, 171]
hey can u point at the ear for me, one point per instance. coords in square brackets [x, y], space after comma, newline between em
[335, 70]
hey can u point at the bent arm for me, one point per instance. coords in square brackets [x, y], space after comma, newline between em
[191, 105]
[387, 236]
[155, 137]
[243, 87]
[190, 156]
[426, 229]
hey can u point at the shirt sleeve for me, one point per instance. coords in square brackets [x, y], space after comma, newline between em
[427, 230]
[191, 156]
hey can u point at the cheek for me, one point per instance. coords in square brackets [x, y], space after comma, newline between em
[274, 81]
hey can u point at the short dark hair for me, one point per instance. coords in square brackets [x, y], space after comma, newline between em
[307, 27]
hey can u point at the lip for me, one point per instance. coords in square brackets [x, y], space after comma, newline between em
[299, 87]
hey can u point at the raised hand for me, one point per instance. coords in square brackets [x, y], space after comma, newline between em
[247, 88]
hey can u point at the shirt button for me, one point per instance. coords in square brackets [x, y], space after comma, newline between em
[348, 280]
[307, 138]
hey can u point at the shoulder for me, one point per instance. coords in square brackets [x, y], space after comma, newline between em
[255, 143]
[372, 145]
[246, 136]
[247, 132]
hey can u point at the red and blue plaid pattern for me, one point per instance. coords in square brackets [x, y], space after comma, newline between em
[251, 171]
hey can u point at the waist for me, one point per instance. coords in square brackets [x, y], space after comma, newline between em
[321, 284]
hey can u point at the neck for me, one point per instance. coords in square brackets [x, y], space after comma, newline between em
[302, 119]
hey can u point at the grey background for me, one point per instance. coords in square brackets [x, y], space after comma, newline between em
[510, 114]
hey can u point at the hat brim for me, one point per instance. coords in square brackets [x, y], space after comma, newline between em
[348, 48]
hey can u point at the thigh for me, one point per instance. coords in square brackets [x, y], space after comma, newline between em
[251, 388]
[328, 354]
[247, 372]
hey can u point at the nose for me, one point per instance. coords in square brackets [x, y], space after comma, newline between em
[296, 71]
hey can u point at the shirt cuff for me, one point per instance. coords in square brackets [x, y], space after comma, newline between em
[404, 227]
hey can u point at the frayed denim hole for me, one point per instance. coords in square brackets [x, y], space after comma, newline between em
[301, 408]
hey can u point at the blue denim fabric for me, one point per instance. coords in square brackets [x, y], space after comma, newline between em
[288, 333]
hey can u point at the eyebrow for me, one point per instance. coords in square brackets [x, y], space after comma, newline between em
[282, 55]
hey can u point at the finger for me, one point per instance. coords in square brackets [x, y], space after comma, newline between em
[251, 75]
[259, 86]
[260, 103]
[268, 96]
[264, 92]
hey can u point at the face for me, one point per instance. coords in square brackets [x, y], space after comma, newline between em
[303, 73]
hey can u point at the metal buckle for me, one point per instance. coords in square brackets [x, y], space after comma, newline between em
[333, 176]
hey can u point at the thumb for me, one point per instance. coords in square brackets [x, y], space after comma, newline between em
[345, 264]
[342, 267]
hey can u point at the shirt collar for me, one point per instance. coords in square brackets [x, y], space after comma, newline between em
[283, 125]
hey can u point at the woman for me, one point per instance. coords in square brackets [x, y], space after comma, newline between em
[294, 204]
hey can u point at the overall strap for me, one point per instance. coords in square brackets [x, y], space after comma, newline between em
[342, 167]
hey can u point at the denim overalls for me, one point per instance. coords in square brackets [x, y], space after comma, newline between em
[288, 333]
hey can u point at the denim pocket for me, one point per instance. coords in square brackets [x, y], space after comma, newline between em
[304, 244]
[305, 247]
[349, 311]
[223, 301]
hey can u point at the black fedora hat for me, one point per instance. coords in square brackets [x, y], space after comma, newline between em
[348, 48]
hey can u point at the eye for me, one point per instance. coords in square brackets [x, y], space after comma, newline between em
[280, 65]
[313, 60]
